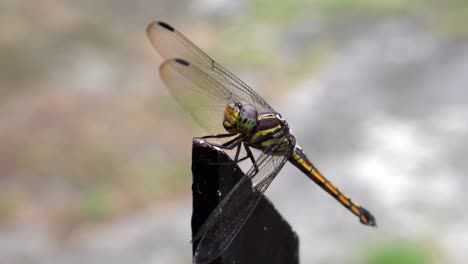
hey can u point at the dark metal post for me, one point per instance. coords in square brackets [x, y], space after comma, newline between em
[265, 238]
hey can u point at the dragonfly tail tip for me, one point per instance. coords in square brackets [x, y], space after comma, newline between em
[367, 218]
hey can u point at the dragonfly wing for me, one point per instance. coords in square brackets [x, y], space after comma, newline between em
[171, 44]
[225, 222]
[204, 98]
[199, 93]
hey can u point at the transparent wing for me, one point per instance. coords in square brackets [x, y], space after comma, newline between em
[230, 215]
[203, 96]
[171, 44]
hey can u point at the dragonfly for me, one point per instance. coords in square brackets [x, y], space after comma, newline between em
[235, 116]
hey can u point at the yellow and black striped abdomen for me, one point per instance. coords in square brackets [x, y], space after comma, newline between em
[300, 160]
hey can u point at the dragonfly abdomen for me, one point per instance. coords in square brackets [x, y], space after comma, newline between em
[300, 160]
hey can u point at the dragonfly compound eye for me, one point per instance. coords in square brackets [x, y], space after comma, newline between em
[247, 118]
[231, 115]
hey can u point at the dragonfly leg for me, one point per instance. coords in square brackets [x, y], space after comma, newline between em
[229, 144]
[233, 162]
[225, 145]
[242, 159]
[235, 142]
[219, 136]
[250, 155]
[236, 158]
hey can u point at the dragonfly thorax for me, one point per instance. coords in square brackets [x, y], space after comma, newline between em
[240, 117]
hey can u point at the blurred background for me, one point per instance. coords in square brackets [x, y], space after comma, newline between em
[95, 154]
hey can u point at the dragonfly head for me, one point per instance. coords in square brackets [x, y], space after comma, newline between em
[240, 117]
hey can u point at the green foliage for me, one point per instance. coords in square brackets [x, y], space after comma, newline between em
[277, 11]
[400, 252]
[448, 17]
[98, 203]
[284, 11]
[249, 47]
[366, 6]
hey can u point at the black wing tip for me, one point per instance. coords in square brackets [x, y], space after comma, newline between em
[367, 218]
[165, 25]
[182, 61]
